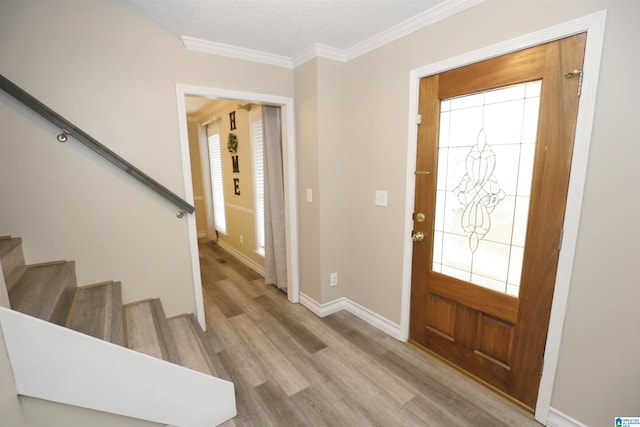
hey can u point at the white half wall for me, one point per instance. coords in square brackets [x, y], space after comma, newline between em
[54, 363]
[10, 407]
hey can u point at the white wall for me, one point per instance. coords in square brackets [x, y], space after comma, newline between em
[113, 73]
[10, 407]
[44, 413]
[598, 374]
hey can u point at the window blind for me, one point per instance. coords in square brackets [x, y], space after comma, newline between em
[258, 175]
[215, 161]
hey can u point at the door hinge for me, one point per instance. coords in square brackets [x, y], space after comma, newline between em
[561, 238]
[574, 73]
[418, 119]
[542, 367]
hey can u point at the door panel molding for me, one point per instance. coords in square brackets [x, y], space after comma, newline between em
[473, 296]
[594, 25]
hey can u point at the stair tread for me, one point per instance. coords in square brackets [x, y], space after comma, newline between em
[45, 291]
[98, 312]
[148, 331]
[191, 349]
[211, 347]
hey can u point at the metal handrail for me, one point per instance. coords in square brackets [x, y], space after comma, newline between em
[69, 128]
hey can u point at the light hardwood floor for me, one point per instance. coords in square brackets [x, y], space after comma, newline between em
[292, 368]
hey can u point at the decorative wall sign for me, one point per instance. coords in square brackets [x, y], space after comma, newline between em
[232, 120]
[232, 146]
[235, 163]
[232, 143]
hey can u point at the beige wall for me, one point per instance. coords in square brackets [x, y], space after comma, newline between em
[334, 178]
[306, 77]
[598, 374]
[322, 153]
[112, 72]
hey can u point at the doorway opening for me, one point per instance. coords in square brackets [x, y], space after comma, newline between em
[227, 163]
[238, 103]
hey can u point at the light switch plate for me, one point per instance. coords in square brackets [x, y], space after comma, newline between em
[309, 195]
[381, 198]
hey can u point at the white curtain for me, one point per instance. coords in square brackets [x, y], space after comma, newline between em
[275, 259]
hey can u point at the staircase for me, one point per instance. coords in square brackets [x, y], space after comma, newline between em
[49, 292]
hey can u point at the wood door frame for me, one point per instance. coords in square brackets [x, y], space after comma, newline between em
[594, 25]
[290, 182]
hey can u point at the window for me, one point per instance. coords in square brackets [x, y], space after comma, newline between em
[255, 117]
[215, 162]
[485, 164]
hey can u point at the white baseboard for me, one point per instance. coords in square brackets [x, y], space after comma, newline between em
[242, 257]
[374, 319]
[354, 308]
[322, 310]
[558, 419]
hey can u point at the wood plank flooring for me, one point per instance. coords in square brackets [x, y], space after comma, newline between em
[292, 368]
[97, 311]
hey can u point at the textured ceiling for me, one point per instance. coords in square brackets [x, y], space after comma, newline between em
[281, 27]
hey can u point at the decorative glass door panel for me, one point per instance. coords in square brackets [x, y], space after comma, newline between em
[485, 163]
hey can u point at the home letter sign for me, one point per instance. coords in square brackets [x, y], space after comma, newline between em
[232, 120]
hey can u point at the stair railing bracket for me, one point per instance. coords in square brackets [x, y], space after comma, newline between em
[62, 137]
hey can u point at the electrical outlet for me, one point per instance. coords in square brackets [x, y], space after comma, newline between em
[333, 279]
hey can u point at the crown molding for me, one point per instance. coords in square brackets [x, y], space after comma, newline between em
[221, 49]
[318, 50]
[415, 23]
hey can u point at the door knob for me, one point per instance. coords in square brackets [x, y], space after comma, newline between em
[418, 237]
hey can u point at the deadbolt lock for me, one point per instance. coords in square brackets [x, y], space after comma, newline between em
[420, 217]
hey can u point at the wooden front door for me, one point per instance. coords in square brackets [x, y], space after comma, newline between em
[492, 174]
